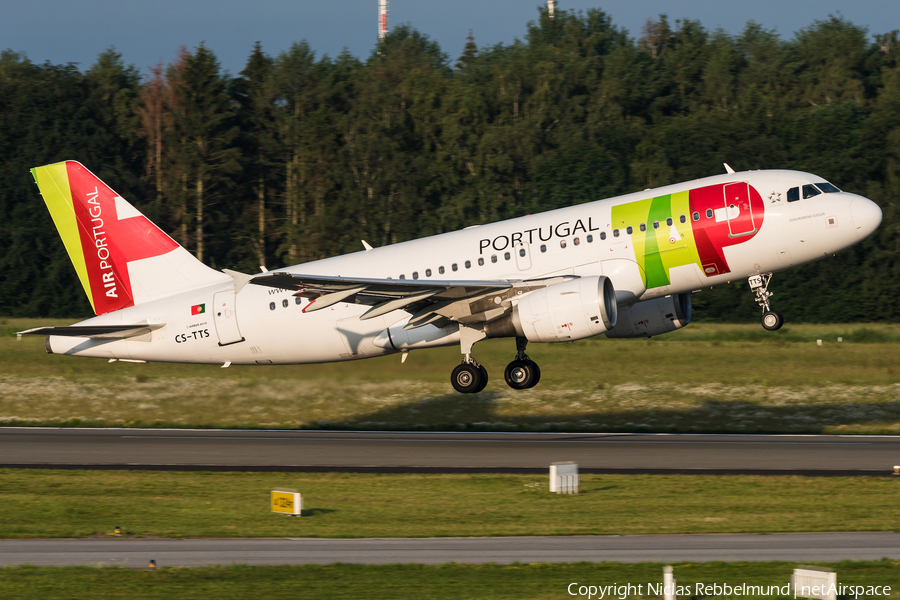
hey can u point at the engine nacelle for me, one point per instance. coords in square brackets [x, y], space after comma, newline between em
[564, 312]
[653, 317]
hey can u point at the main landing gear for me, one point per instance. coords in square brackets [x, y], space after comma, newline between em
[522, 373]
[759, 285]
[471, 377]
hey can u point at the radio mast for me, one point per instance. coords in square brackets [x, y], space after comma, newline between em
[382, 19]
[550, 4]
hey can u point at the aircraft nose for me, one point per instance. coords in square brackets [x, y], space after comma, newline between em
[866, 216]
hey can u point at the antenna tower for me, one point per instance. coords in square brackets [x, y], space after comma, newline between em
[382, 19]
[550, 5]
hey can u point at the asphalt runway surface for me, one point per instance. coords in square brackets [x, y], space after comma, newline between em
[137, 553]
[242, 450]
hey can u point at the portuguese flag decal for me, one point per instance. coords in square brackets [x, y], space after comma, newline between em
[198, 309]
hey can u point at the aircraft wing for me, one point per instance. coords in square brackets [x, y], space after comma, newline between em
[111, 332]
[430, 301]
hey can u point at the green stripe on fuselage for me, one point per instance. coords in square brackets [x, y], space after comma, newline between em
[658, 250]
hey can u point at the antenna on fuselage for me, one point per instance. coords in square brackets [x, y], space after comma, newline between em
[728, 169]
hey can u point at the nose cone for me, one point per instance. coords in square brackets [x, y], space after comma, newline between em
[866, 216]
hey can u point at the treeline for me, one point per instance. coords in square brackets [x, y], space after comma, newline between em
[299, 157]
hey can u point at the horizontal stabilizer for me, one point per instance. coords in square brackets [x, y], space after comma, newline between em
[109, 332]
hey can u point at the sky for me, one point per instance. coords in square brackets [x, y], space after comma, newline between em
[147, 32]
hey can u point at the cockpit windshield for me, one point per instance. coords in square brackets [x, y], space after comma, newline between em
[810, 190]
[827, 187]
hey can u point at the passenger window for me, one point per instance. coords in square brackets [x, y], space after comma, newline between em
[696, 216]
[453, 267]
[493, 258]
[427, 272]
[615, 233]
[562, 243]
[590, 239]
[415, 274]
[629, 230]
[543, 247]
[576, 241]
[468, 264]
[656, 224]
[809, 191]
[403, 277]
[602, 235]
[507, 255]
[521, 251]
[682, 219]
[827, 187]
[271, 306]
[480, 262]
[285, 303]
[793, 194]
[643, 227]
[709, 213]
[441, 270]
[299, 300]
[669, 222]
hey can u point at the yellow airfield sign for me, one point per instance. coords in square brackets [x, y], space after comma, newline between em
[287, 502]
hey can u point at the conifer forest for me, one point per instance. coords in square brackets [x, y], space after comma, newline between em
[299, 156]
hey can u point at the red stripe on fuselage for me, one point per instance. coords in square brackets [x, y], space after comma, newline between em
[712, 236]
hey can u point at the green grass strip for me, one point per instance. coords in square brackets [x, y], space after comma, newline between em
[454, 581]
[50, 503]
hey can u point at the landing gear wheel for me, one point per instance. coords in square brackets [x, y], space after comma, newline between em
[772, 320]
[537, 374]
[484, 379]
[467, 378]
[519, 374]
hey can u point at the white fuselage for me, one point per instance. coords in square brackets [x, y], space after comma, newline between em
[261, 325]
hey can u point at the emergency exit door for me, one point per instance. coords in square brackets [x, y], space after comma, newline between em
[738, 210]
[225, 318]
[523, 255]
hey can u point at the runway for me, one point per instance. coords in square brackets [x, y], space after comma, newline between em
[179, 449]
[137, 553]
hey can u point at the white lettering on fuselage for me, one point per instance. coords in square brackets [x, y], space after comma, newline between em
[502, 242]
[95, 210]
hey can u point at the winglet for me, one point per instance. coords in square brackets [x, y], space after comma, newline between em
[240, 279]
[728, 169]
[366, 245]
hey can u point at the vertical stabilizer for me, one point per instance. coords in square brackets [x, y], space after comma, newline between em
[121, 258]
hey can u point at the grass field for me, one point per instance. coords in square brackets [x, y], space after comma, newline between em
[44, 503]
[540, 581]
[704, 378]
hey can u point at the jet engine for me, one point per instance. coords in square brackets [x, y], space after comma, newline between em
[564, 312]
[653, 317]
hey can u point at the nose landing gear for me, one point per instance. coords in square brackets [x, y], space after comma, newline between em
[772, 320]
[522, 373]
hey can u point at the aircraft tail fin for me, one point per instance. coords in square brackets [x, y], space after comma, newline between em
[121, 258]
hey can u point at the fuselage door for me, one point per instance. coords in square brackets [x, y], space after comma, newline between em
[738, 210]
[523, 255]
[225, 318]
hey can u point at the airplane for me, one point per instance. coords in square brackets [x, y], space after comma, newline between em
[624, 267]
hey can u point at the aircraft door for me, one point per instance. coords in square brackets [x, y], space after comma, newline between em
[523, 255]
[225, 318]
[738, 210]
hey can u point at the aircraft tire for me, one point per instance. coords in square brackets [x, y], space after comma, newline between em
[537, 374]
[466, 378]
[519, 374]
[484, 379]
[772, 320]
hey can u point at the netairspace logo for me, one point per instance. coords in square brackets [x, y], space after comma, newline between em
[625, 590]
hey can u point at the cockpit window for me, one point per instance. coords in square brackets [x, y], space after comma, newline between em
[809, 191]
[793, 194]
[827, 187]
